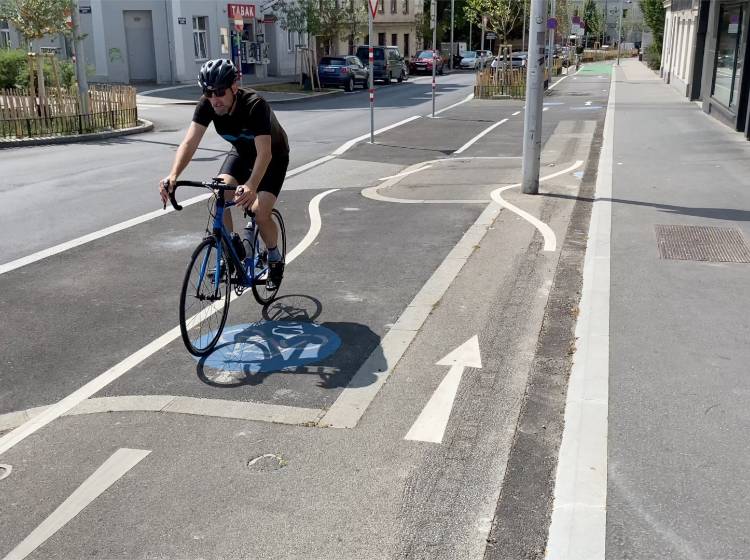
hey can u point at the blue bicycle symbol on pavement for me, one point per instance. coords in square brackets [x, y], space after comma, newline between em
[268, 347]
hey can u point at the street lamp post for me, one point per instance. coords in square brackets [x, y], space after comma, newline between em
[452, 47]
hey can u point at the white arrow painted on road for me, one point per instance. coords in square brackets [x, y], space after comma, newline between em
[588, 103]
[431, 424]
[105, 476]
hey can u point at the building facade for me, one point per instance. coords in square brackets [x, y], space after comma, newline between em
[395, 24]
[166, 41]
[705, 53]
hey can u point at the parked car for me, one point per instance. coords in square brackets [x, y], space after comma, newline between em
[388, 64]
[486, 55]
[518, 59]
[470, 60]
[422, 62]
[342, 71]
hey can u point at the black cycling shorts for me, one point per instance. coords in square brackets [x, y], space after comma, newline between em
[240, 168]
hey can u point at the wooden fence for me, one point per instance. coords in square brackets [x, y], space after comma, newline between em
[508, 83]
[24, 114]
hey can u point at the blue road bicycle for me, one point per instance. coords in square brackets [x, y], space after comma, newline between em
[220, 263]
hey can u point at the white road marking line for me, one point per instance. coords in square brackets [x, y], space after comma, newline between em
[516, 113]
[43, 254]
[545, 109]
[588, 103]
[432, 421]
[468, 98]
[550, 240]
[39, 255]
[486, 131]
[105, 476]
[557, 82]
[166, 89]
[346, 146]
[374, 372]
[56, 410]
[578, 527]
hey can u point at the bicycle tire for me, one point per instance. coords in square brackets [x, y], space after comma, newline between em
[261, 294]
[205, 341]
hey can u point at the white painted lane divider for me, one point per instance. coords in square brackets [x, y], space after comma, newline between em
[54, 411]
[486, 131]
[550, 240]
[588, 103]
[105, 476]
[468, 98]
[431, 423]
[344, 147]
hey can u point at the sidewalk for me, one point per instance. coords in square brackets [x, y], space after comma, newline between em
[679, 324]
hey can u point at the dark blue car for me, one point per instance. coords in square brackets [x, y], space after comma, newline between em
[346, 71]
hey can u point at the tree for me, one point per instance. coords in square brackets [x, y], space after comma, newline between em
[653, 17]
[502, 15]
[563, 20]
[354, 22]
[593, 19]
[36, 18]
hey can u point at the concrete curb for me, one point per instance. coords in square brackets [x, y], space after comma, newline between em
[144, 126]
[146, 100]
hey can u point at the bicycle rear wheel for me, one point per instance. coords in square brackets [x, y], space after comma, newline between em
[261, 293]
[204, 303]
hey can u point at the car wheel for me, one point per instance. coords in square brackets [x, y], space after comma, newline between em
[401, 77]
[349, 86]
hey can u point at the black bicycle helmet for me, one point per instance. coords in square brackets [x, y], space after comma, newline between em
[217, 74]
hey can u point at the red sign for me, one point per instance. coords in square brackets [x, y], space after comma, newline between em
[241, 11]
[373, 7]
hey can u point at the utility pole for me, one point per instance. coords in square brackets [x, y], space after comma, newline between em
[433, 25]
[371, 61]
[453, 2]
[532, 122]
[619, 35]
[83, 84]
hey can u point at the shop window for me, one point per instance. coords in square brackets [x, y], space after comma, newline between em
[4, 35]
[381, 39]
[200, 41]
[728, 66]
[394, 39]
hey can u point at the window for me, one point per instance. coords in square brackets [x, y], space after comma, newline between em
[290, 41]
[381, 6]
[200, 41]
[4, 35]
[406, 6]
[381, 39]
[224, 36]
[394, 39]
[406, 45]
[394, 6]
[728, 66]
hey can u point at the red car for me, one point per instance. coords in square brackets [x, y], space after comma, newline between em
[422, 62]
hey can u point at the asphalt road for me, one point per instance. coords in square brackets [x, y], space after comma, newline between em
[235, 466]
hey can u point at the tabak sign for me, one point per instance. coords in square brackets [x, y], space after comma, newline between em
[241, 11]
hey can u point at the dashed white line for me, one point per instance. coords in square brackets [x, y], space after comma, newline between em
[516, 113]
[54, 411]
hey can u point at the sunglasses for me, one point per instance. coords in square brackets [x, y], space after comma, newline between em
[209, 93]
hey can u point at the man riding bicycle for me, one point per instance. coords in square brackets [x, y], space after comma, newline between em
[258, 160]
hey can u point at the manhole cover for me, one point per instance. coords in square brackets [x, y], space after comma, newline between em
[267, 463]
[702, 243]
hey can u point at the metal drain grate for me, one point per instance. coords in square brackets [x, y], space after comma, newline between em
[702, 243]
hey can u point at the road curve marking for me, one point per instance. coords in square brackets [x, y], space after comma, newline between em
[56, 410]
[550, 241]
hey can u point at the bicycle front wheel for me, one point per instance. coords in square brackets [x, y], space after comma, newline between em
[261, 293]
[204, 300]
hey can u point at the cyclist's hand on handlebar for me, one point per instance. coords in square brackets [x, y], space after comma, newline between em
[244, 196]
[166, 186]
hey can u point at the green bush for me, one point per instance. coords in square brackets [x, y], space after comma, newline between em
[653, 56]
[12, 66]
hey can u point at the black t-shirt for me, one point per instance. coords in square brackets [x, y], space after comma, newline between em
[252, 116]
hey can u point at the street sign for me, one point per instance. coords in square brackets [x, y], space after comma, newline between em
[490, 36]
[552, 23]
[241, 11]
[84, 10]
[239, 25]
[182, 20]
[373, 8]
[433, 14]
